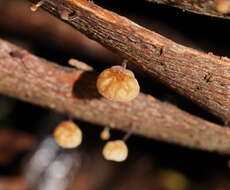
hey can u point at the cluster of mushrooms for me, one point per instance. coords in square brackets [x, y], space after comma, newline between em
[116, 84]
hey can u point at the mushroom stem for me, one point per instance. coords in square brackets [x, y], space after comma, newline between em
[126, 136]
[124, 63]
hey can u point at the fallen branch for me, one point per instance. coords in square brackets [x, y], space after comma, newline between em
[203, 78]
[62, 89]
[207, 7]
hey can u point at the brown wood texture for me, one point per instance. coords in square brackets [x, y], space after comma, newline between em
[202, 78]
[204, 7]
[70, 91]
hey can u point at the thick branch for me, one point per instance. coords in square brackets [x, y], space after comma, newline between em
[73, 92]
[203, 78]
[205, 7]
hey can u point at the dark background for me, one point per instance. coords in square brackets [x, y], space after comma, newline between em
[151, 164]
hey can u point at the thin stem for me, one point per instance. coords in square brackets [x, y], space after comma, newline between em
[127, 136]
[124, 63]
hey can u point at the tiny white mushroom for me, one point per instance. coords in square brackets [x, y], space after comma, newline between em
[68, 135]
[115, 151]
[34, 7]
[64, 14]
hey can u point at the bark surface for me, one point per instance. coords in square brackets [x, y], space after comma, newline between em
[202, 78]
[35, 80]
[204, 7]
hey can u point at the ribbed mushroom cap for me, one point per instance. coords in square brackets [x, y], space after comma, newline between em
[118, 84]
[115, 150]
[68, 135]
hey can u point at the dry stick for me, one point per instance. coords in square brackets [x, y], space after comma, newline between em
[203, 78]
[35, 80]
[216, 8]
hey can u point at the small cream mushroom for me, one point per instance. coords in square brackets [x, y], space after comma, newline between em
[222, 6]
[68, 135]
[115, 150]
[34, 7]
[105, 134]
[118, 84]
[64, 14]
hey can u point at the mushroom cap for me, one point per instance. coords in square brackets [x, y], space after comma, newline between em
[222, 6]
[105, 134]
[115, 150]
[33, 8]
[68, 135]
[118, 84]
